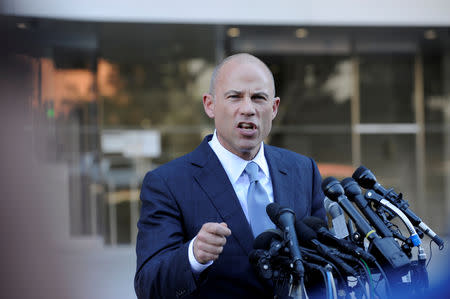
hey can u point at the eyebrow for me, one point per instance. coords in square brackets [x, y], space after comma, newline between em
[261, 93]
[258, 93]
[232, 92]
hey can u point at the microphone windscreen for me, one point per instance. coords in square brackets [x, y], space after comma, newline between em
[332, 188]
[315, 223]
[255, 255]
[272, 211]
[327, 181]
[364, 177]
[347, 181]
[358, 172]
[264, 240]
[304, 233]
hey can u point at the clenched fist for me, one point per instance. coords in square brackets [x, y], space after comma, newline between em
[210, 241]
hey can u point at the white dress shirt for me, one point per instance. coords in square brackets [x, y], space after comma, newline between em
[234, 167]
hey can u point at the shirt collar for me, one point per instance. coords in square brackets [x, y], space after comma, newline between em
[235, 165]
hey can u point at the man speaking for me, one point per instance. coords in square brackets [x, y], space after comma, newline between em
[201, 212]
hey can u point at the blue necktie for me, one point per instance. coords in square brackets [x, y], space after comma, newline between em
[257, 200]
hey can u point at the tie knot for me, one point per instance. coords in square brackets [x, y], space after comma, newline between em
[252, 171]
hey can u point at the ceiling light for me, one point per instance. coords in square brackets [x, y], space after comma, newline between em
[22, 25]
[233, 32]
[301, 33]
[430, 34]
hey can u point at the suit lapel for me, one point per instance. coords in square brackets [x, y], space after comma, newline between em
[282, 182]
[214, 181]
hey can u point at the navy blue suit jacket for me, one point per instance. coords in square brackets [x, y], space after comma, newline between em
[180, 196]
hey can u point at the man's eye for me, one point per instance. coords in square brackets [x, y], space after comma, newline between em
[260, 98]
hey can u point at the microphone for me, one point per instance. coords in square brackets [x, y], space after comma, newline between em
[388, 248]
[309, 237]
[371, 195]
[337, 217]
[284, 219]
[367, 180]
[270, 240]
[353, 192]
[320, 227]
[260, 259]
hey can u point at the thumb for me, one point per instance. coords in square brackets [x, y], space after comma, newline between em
[226, 226]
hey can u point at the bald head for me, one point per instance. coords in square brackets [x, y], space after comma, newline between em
[240, 58]
[242, 103]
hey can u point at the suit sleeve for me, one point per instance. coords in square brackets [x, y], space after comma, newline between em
[317, 208]
[163, 269]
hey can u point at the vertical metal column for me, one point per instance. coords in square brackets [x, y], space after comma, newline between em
[420, 135]
[93, 192]
[134, 208]
[446, 128]
[220, 43]
[112, 212]
[355, 115]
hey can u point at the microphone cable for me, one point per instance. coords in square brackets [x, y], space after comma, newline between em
[387, 284]
[368, 277]
[331, 278]
[372, 195]
[310, 254]
[431, 255]
[327, 283]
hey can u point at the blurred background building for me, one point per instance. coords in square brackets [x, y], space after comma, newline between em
[98, 93]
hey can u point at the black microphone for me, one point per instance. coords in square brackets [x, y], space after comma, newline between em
[284, 219]
[260, 259]
[367, 180]
[334, 191]
[270, 240]
[320, 227]
[353, 192]
[308, 237]
[388, 248]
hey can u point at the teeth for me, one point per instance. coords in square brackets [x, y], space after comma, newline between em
[246, 126]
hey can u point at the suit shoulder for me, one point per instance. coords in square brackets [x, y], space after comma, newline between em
[171, 168]
[290, 155]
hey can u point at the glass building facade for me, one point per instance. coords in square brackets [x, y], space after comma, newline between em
[110, 101]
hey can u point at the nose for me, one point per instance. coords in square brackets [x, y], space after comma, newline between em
[247, 107]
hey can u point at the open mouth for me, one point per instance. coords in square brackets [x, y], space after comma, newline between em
[247, 126]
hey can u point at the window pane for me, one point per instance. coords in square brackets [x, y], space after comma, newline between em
[386, 88]
[391, 158]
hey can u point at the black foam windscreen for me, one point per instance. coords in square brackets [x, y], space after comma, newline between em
[351, 186]
[327, 181]
[304, 233]
[315, 223]
[358, 172]
[264, 240]
[364, 177]
[272, 210]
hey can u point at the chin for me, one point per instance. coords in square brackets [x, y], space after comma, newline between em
[249, 148]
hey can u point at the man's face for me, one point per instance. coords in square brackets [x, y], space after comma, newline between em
[243, 107]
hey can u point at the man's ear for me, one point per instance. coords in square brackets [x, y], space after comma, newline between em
[275, 104]
[208, 105]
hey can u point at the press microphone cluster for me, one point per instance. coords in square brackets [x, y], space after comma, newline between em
[367, 180]
[302, 256]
